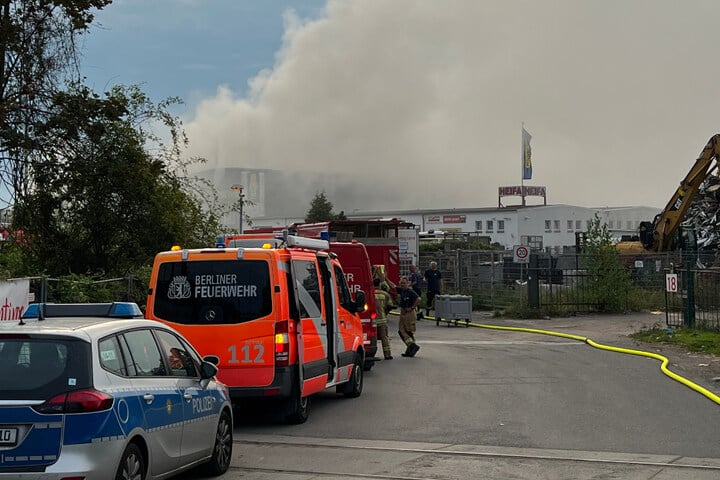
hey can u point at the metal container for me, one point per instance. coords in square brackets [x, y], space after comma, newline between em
[453, 308]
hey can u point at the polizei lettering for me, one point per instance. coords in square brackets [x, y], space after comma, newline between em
[222, 286]
[203, 405]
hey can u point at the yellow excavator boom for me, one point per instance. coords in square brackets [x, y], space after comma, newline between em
[658, 236]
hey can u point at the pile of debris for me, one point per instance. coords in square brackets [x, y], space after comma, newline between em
[704, 214]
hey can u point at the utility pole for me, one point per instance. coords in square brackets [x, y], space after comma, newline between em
[239, 188]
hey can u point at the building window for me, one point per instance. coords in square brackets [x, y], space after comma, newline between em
[534, 242]
[478, 226]
[557, 225]
[501, 226]
[489, 226]
[570, 225]
[611, 224]
[578, 224]
[547, 226]
[629, 224]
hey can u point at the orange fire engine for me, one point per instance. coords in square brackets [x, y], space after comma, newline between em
[281, 318]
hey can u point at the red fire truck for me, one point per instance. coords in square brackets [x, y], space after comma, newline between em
[385, 239]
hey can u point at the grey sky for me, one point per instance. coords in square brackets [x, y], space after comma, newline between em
[619, 96]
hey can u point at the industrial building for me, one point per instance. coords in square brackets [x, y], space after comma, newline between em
[274, 199]
[542, 227]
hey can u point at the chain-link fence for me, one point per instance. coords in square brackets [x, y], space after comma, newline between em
[553, 283]
[82, 290]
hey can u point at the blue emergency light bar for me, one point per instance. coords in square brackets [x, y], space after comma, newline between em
[112, 310]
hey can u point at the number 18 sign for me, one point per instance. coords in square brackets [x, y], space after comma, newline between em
[671, 282]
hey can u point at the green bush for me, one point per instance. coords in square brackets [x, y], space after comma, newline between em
[608, 282]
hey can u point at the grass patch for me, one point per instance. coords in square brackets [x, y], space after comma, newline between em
[694, 340]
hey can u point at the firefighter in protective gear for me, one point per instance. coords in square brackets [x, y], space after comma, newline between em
[383, 304]
[379, 272]
[409, 300]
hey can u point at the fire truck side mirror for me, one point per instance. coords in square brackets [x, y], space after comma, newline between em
[359, 301]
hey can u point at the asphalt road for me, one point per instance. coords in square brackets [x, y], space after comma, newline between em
[482, 403]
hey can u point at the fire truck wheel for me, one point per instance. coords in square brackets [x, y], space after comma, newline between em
[297, 407]
[354, 386]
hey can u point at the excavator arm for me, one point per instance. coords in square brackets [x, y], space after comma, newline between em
[658, 235]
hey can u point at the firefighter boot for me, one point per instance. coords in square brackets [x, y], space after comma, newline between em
[412, 349]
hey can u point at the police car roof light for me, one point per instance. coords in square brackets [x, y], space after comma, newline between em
[312, 243]
[113, 310]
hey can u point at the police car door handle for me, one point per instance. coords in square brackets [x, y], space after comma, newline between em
[148, 397]
[187, 396]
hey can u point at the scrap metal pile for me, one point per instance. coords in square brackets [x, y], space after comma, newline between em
[704, 214]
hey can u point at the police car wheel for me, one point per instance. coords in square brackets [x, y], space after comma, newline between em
[354, 386]
[222, 450]
[132, 464]
[298, 407]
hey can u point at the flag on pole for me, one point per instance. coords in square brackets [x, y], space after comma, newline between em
[526, 155]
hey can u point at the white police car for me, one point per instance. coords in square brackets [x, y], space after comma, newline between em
[86, 394]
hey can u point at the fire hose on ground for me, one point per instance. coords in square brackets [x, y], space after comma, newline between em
[663, 365]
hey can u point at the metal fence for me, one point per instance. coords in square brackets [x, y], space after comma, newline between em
[553, 283]
[80, 290]
[695, 300]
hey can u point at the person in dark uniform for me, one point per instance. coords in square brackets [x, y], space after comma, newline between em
[408, 300]
[433, 277]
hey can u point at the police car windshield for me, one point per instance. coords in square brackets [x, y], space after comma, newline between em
[213, 293]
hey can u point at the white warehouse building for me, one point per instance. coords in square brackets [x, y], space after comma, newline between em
[541, 227]
[546, 227]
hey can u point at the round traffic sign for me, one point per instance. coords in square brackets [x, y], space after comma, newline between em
[521, 254]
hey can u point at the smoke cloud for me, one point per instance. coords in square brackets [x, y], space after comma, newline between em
[419, 104]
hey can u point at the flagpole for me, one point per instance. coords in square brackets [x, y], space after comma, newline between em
[522, 162]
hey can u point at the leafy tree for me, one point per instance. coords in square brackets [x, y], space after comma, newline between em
[38, 55]
[320, 209]
[609, 280]
[98, 202]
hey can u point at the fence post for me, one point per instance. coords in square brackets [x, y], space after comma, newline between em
[492, 278]
[43, 289]
[533, 282]
[128, 293]
[550, 276]
[690, 297]
[458, 270]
